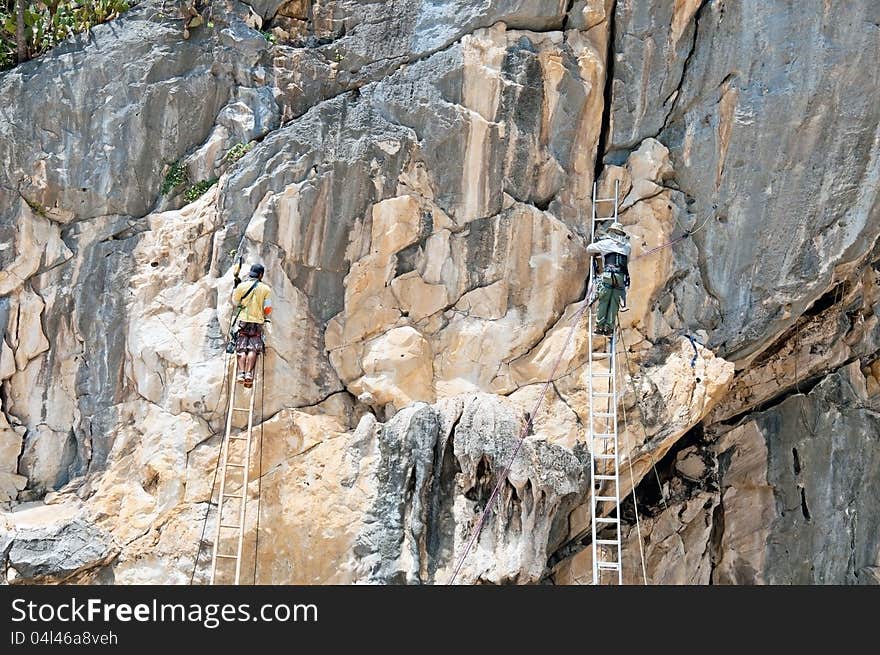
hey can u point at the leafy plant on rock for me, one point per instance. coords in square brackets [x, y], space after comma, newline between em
[238, 151]
[198, 189]
[45, 24]
[175, 176]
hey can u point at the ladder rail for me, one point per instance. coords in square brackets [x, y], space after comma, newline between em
[224, 457]
[244, 484]
[616, 452]
[590, 394]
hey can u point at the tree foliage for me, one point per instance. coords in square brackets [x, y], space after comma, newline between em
[49, 22]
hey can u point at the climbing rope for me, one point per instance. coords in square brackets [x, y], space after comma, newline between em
[260, 474]
[674, 241]
[216, 468]
[632, 480]
[525, 431]
[644, 431]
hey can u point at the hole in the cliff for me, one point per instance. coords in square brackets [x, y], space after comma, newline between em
[828, 299]
[84, 189]
[804, 508]
[699, 380]
[482, 483]
[722, 218]
[797, 462]
[154, 264]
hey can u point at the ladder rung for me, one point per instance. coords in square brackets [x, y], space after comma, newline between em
[604, 394]
[241, 409]
[601, 375]
[239, 466]
[605, 199]
[604, 456]
[232, 495]
[607, 566]
[604, 477]
[602, 355]
[607, 542]
[226, 525]
[602, 499]
[603, 435]
[238, 438]
[606, 519]
[604, 414]
[227, 556]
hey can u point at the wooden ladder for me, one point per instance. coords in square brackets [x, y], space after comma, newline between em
[235, 459]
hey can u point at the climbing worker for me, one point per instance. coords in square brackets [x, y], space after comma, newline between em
[253, 298]
[614, 250]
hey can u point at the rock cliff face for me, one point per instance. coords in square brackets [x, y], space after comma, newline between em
[416, 176]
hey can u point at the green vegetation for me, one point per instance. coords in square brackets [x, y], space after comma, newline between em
[269, 36]
[174, 178]
[196, 191]
[49, 22]
[238, 151]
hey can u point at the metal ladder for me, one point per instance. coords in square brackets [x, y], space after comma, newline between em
[235, 465]
[604, 470]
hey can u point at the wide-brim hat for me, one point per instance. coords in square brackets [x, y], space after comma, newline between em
[617, 227]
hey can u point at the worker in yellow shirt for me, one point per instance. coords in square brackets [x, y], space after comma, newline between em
[253, 298]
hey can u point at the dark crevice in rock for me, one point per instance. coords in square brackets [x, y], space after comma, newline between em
[541, 205]
[577, 416]
[828, 299]
[796, 461]
[605, 129]
[567, 14]
[649, 493]
[805, 510]
[675, 95]
[441, 518]
[716, 536]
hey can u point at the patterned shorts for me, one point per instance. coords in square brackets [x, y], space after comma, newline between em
[250, 338]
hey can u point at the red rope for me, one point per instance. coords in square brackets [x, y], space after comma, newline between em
[522, 438]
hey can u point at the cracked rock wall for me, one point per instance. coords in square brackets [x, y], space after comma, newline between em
[416, 176]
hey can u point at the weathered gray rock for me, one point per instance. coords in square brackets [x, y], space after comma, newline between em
[799, 490]
[437, 470]
[770, 139]
[58, 552]
[651, 43]
[339, 45]
[114, 109]
[416, 179]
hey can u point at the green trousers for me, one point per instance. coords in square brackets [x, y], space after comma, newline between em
[611, 292]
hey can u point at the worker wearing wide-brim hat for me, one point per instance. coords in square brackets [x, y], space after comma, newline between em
[614, 249]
